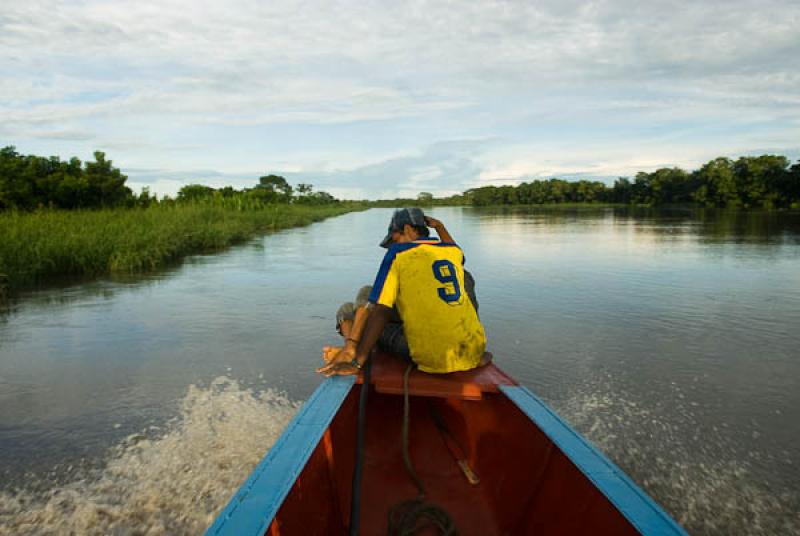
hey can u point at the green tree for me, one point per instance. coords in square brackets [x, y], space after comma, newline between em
[15, 190]
[145, 198]
[194, 192]
[621, 192]
[308, 197]
[758, 179]
[715, 184]
[28, 182]
[425, 197]
[558, 191]
[323, 198]
[106, 184]
[72, 192]
[483, 196]
[793, 186]
[276, 184]
[666, 185]
[641, 190]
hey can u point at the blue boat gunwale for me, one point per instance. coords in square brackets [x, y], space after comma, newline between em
[631, 501]
[255, 504]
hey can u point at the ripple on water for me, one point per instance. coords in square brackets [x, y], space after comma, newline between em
[677, 461]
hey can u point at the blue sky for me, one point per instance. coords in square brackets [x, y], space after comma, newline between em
[386, 99]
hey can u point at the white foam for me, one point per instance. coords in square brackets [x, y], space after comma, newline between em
[680, 464]
[172, 484]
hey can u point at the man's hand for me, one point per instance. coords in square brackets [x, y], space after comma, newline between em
[433, 222]
[346, 368]
[340, 360]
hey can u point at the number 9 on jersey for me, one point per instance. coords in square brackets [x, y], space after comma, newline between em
[445, 273]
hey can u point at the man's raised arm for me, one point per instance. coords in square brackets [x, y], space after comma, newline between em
[440, 229]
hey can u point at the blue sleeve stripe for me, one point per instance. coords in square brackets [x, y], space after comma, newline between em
[386, 265]
[380, 279]
[383, 271]
[388, 259]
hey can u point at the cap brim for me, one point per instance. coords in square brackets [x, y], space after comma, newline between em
[386, 242]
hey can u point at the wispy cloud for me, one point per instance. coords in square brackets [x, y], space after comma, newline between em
[72, 135]
[366, 96]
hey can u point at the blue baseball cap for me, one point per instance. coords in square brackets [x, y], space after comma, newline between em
[402, 217]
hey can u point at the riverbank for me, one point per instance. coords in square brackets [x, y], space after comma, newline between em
[39, 246]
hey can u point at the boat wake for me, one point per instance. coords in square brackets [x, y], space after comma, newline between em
[171, 483]
[176, 481]
[687, 468]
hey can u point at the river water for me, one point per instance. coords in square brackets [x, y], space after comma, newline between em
[670, 338]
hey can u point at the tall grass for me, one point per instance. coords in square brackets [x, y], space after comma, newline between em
[38, 246]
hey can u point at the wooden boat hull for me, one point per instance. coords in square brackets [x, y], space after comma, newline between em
[537, 475]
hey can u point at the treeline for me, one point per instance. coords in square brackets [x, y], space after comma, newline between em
[29, 182]
[423, 199]
[271, 189]
[540, 192]
[767, 181]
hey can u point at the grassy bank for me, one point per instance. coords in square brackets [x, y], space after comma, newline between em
[38, 246]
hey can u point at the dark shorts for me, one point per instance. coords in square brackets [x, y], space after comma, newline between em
[393, 339]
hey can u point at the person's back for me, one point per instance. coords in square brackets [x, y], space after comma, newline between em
[425, 280]
[419, 307]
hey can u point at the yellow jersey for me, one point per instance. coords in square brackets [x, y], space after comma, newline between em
[425, 280]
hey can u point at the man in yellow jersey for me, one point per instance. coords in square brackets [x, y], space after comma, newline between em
[424, 280]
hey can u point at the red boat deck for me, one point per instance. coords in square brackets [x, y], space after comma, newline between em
[387, 483]
[528, 485]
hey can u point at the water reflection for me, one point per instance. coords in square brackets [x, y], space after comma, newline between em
[642, 326]
[704, 225]
[720, 226]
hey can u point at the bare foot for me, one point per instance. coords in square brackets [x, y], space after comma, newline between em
[329, 352]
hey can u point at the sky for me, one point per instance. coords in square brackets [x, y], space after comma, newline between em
[387, 99]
